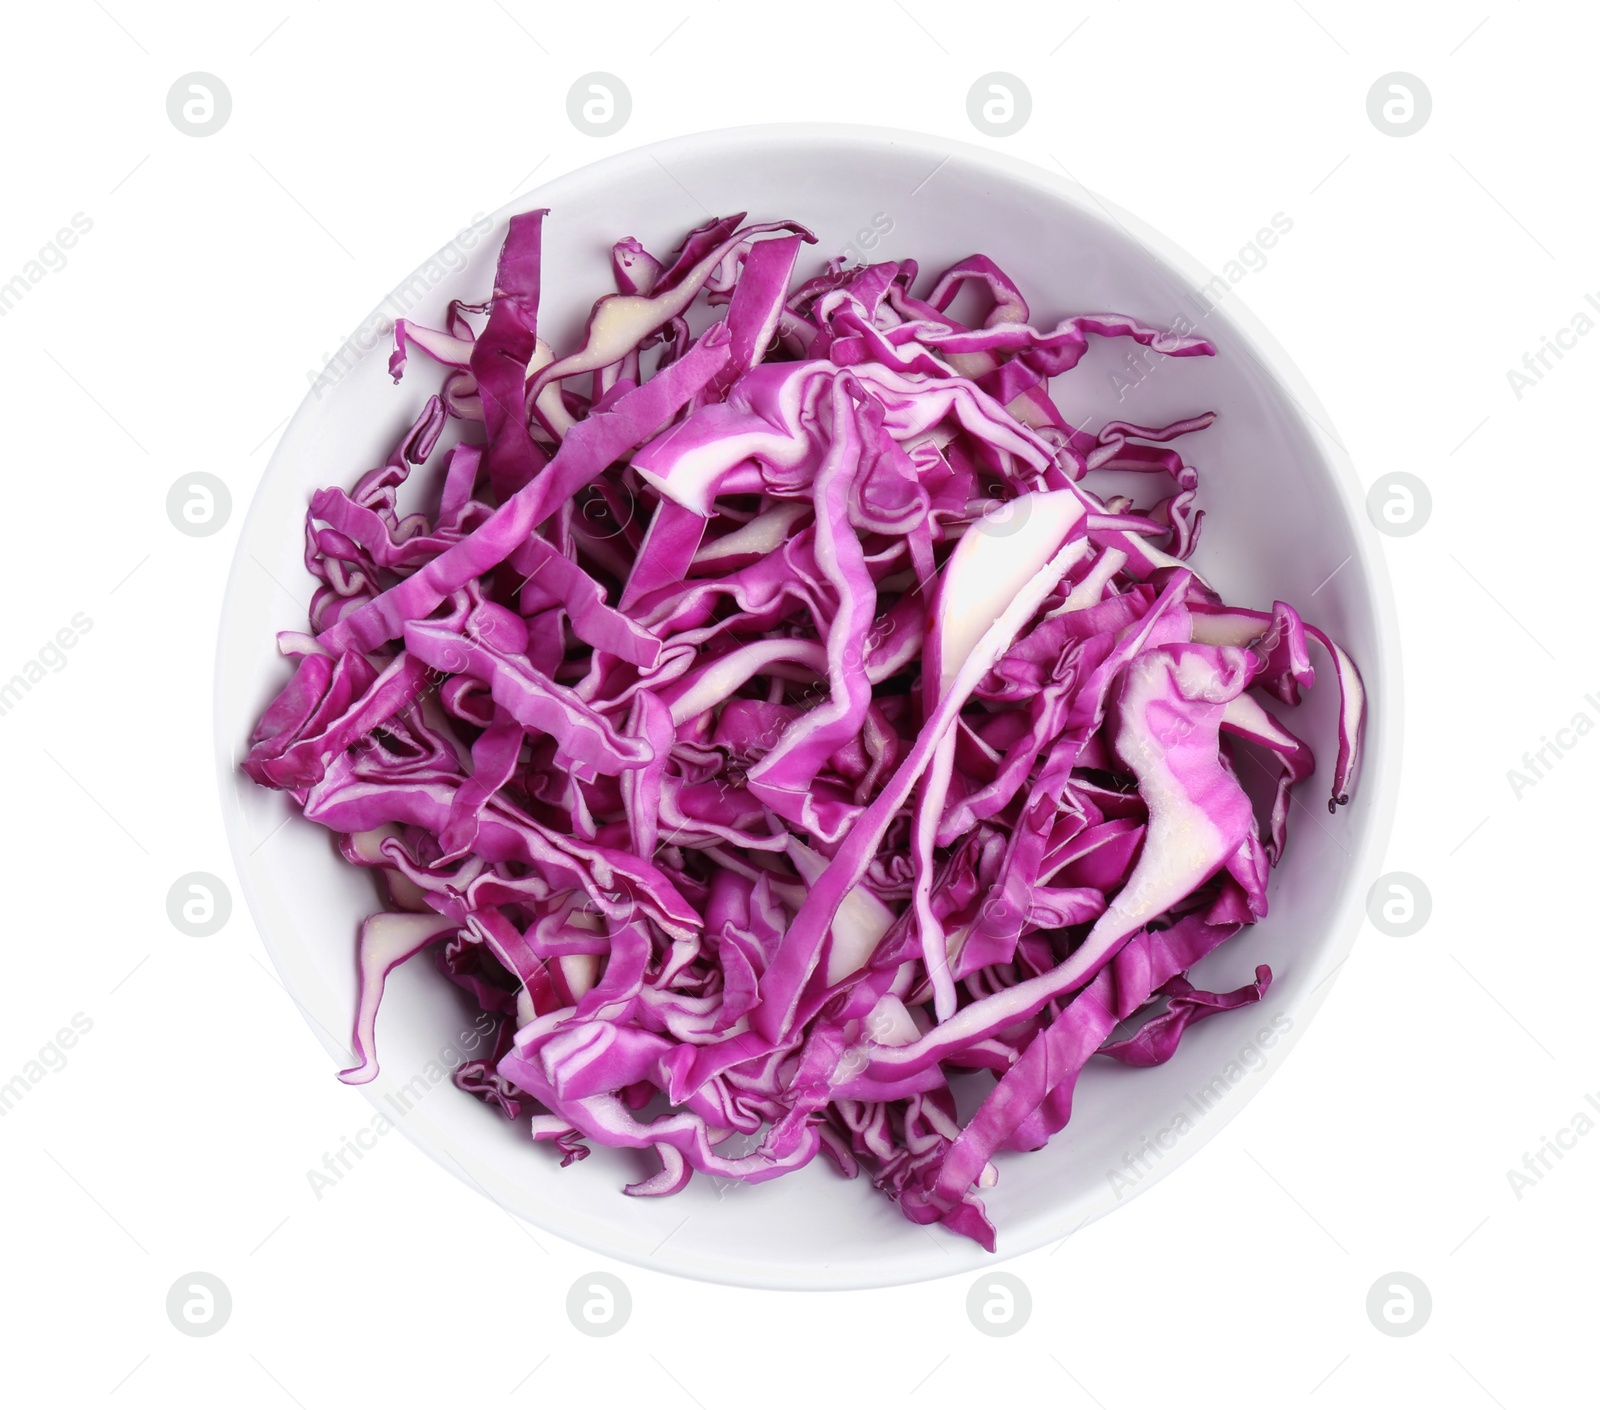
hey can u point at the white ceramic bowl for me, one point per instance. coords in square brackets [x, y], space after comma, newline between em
[1284, 512]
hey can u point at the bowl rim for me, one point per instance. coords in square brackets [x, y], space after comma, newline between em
[1378, 778]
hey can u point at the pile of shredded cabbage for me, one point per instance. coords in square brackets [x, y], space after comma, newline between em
[769, 723]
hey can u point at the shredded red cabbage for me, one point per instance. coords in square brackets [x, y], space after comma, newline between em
[767, 724]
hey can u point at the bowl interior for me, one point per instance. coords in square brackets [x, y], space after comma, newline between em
[1282, 516]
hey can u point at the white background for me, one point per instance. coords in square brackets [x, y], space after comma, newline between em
[178, 337]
